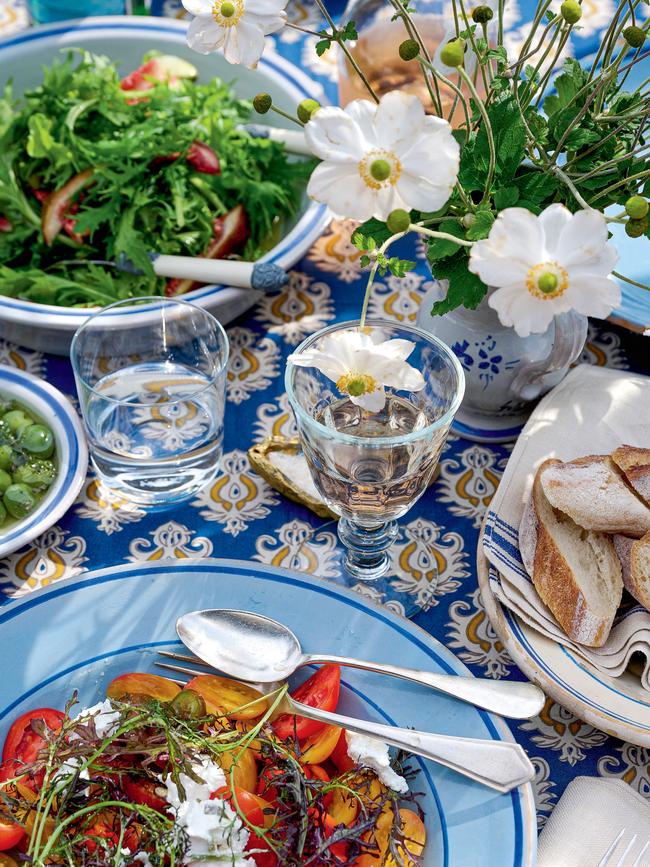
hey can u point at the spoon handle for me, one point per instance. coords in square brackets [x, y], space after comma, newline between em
[498, 764]
[508, 698]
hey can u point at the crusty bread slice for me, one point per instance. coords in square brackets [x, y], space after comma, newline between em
[592, 492]
[634, 463]
[575, 571]
[634, 555]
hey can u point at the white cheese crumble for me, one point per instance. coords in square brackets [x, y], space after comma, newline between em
[106, 718]
[217, 834]
[373, 753]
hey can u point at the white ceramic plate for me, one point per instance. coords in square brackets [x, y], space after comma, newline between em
[126, 39]
[55, 410]
[618, 706]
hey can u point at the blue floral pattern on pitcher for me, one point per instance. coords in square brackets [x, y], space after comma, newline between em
[487, 361]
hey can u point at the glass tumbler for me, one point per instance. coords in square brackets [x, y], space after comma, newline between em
[47, 11]
[151, 382]
[372, 467]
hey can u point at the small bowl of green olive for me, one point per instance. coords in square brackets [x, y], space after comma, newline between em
[43, 457]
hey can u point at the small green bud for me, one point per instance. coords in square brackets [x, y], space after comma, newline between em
[398, 221]
[262, 103]
[453, 53]
[637, 207]
[468, 220]
[380, 169]
[306, 108]
[636, 228]
[547, 282]
[409, 49]
[571, 11]
[634, 36]
[482, 14]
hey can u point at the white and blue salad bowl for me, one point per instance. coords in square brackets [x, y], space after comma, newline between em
[125, 39]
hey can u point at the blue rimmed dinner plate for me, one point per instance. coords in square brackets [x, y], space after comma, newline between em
[47, 404]
[80, 633]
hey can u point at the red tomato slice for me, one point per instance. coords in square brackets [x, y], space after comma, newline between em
[10, 835]
[338, 850]
[22, 744]
[321, 690]
[143, 792]
[340, 755]
[253, 809]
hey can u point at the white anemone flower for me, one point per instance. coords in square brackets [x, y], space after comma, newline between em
[547, 264]
[239, 26]
[361, 365]
[376, 158]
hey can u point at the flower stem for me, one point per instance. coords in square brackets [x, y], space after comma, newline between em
[459, 93]
[287, 115]
[631, 281]
[303, 29]
[431, 233]
[414, 33]
[567, 180]
[344, 48]
[373, 273]
[488, 131]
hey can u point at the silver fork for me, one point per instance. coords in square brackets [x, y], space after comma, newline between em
[501, 765]
[641, 860]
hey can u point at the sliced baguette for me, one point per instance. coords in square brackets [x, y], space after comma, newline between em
[634, 555]
[576, 572]
[634, 463]
[591, 491]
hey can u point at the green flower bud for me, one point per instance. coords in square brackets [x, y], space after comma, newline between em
[482, 14]
[409, 49]
[571, 11]
[380, 169]
[468, 220]
[453, 53]
[634, 36]
[306, 108]
[636, 228]
[637, 207]
[262, 103]
[398, 221]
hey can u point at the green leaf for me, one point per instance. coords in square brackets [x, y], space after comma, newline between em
[536, 186]
[465, 288]
[481, 226]
[440, 248]
[349, 32]
[505, 197]
[400, 267]
[41, 143]
[322, 46]
[580, 137]
[509, 139]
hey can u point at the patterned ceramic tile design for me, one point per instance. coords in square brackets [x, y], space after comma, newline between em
[240, 516]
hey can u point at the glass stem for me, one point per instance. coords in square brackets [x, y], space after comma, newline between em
[367, 548]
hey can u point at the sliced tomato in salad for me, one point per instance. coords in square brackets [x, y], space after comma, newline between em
[22, 744]
[10, 835]
[165, 68]
[340, 757]
[138, 683]
[321, 690]
[143, 792]
[256, 813]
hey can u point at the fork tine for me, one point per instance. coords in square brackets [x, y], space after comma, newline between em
[605, 860]
[638, 862]
[181, 657]
[180, 669]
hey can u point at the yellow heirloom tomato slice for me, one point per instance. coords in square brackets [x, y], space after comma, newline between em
[320, 746]
[225, 696]
[138, 683]
[244, 767]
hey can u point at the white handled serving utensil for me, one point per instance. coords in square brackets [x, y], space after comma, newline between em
[254, 648]
[498, 764]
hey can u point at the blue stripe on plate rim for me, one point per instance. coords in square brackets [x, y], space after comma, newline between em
[124, 571]
[276, 63]
[487, 434]
[72, 429]
[517, 630]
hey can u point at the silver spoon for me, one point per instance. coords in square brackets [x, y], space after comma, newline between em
[500, 765]
[257, 649]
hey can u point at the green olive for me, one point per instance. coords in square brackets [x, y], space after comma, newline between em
[17, 421]
[6, 457]
[3, 514]
[37, 474]
[5, 481]
[19, 500]
[37, 440]
[188, 704]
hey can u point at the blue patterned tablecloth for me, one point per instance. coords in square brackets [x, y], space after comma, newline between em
[241, 516]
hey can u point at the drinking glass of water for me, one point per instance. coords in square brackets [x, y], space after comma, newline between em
[151, 382]
[48, 11]
[372, 467]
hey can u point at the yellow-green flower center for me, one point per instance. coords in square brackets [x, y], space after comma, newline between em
[356, 384]
[228, 12]
[380, 168]
[547, 280]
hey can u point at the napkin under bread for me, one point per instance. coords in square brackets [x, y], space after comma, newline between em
[587, 819]
[592, 411]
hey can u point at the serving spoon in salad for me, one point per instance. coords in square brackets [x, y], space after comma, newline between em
[500, 765]
[257, 649]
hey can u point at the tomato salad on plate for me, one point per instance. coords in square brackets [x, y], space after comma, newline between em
[204, 773]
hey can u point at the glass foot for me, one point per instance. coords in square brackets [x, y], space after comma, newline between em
[366, 548]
